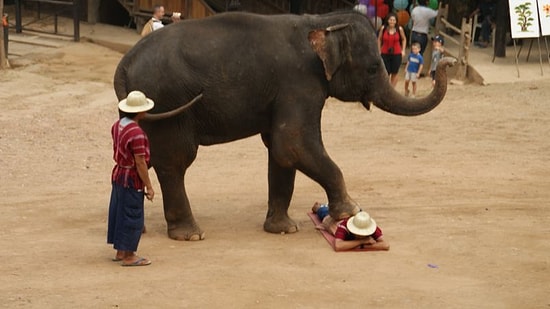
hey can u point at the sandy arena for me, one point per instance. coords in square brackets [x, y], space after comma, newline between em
[461, 193]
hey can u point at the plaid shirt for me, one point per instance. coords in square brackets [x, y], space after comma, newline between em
[128, 140]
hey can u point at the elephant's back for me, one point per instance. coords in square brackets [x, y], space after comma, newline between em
[229, 35]
[224, 48]
[251, 40]
[230, 52]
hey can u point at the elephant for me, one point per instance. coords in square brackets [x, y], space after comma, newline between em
[266, 75]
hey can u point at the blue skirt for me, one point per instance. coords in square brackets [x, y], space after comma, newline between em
[126, 218]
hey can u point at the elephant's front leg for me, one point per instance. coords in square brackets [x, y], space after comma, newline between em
[281, 187]
[319, 167]
[177, 210]
[300, 146]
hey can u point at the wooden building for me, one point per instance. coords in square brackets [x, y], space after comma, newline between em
[135, 13]
[140, 10]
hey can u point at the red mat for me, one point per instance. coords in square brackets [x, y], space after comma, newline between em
[328, 236]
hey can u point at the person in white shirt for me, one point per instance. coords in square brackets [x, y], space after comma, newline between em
[155, 22]
[421, 16]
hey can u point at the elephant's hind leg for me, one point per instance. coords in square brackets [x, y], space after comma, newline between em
[177, 210]
[281, 187]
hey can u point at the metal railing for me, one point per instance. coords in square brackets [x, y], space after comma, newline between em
[74, 5]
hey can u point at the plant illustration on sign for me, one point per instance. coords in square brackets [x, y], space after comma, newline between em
[524, 13]
[546, 9]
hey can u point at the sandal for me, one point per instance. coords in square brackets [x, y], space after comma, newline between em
[139, 262]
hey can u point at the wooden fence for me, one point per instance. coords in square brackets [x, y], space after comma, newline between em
[463, 43]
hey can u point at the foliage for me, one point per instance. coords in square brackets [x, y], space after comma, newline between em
[524, 16]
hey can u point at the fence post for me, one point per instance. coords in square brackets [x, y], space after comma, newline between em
[4, 64]
[76, 20]
[6, 26]
[443, 13]
[464, 51]
[18, 24]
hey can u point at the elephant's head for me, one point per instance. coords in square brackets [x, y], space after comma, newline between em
[355, 71]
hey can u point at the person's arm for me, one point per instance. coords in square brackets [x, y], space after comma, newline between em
[403, 41]
[343, 245]
[380, 33]
[379, 245]
[176, 16]
[420, 67]
[143, 172]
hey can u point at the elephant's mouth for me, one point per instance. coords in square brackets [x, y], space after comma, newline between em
[366, 102]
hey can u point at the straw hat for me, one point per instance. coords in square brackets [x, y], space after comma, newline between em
[361, 224]
[136, 102]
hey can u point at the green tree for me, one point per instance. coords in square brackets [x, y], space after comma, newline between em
[524, 16]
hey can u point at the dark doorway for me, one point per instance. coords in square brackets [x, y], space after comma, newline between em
[113, 13]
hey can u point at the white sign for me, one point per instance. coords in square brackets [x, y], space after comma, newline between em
[544, 16]
[524, 19]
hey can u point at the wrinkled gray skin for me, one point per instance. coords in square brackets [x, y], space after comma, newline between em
[267, 75]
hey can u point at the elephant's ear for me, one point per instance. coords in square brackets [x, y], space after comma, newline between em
[326, 44]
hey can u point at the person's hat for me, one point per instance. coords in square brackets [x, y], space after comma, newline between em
[439, 38]
[136, 102]
[361, 224]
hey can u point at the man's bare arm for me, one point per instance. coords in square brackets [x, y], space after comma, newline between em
[143, 173]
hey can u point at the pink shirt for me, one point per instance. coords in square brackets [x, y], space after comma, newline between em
[128, 140]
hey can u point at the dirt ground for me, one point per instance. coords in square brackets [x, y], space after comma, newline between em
[461, 193]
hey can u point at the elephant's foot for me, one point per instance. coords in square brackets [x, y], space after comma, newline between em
[344, 210]
[279, 225]
[186, 233]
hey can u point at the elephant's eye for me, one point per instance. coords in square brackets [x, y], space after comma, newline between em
[372, 69]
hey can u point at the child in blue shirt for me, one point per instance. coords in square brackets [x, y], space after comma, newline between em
[415, 62]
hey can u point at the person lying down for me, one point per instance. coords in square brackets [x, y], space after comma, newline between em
[359, 231]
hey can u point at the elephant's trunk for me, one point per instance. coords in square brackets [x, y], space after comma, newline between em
[172, 113]
[393, 102]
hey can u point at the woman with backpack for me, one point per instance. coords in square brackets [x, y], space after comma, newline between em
[392, 43]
